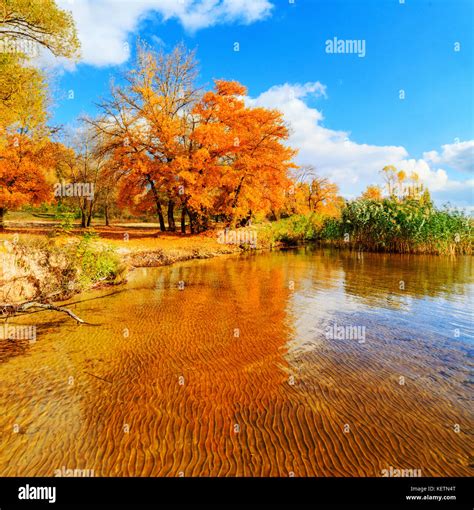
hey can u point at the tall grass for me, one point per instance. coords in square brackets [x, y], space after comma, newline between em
[409, 226]
[402, 227]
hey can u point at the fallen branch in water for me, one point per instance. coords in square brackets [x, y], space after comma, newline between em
[34, 304]
[8, 309]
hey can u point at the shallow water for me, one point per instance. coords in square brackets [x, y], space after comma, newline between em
[226, 367]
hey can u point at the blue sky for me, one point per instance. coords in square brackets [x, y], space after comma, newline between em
[345, 111]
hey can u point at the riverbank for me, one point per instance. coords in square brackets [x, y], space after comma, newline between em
[39, 262]
[43, 258]
[169, 249]
[387, 227]
[35, 266]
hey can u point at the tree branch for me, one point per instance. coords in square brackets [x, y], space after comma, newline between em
[8, 309]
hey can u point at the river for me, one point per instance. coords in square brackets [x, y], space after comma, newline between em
[304, 362]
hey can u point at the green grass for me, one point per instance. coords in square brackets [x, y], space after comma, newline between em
[291, 231]
[94, 263]
[410, 226]
[403, 227]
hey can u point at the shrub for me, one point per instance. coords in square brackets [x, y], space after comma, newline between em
[95, 263]
[293, 230]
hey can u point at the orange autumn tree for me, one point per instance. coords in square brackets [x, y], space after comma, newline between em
[146, 126]
[372, 192]
[141, 185]
[241, 166]
[27, 155]
[27, 170]
[211, 155]
[22, 140]
[312, 193]
[323, 196]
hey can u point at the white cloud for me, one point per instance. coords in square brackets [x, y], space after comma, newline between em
[435, 180]
[104, 25]
[354, 165]
[442, 187]
[351, 165]
[458, 156]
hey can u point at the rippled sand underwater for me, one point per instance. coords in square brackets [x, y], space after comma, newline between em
[227, 367]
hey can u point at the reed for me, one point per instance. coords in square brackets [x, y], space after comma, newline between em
[408, 226]
[389, 225]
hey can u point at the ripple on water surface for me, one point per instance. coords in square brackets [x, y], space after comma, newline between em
[250, 369]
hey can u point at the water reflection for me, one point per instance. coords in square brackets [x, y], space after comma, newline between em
[223, 368]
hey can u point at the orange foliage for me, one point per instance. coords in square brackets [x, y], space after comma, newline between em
[372, 193]
[242, 164]
[210, 155]
[318, 195]
[26, 170]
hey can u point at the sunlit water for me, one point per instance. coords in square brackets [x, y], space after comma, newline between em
[293, 363]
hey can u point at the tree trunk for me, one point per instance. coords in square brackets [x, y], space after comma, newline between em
[89, 213]
[236, 199]
[237, 193]
[161, 218]
[106, 212]
[191, 222]
[83, 218]
[204, 220]
[171, 223]
[245, 221]
[159, 209]
[2, 215]
[183, 220]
